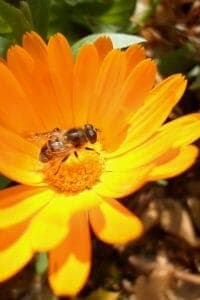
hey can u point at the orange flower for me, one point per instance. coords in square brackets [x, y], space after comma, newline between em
[65, 188]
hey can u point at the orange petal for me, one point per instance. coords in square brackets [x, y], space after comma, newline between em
[34, 78]
[113, 223]
[147, 120]
[103, 45]
[25, 207]
[84, 82]
[41, 89]
[130, 98]
[142, 155]
[51, 225]
[138, 85]
[178, 163]
[45, 235]
[19, 159]
[16, 111]
[62, 206]
[75, 203]
[61, 68]
[12, 195]
[10, 235]
[109, 82]
[35, 46]
[117, 184]
[134, 55]
[23, 67]
[188, 128]
[15, 250]
[70, 261]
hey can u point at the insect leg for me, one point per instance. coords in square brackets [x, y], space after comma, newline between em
[76, 154]
[88, 148]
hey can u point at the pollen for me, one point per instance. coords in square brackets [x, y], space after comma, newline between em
[76, 174]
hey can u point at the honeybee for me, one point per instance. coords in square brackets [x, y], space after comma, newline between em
[61, 143]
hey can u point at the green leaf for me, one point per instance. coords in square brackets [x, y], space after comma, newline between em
[102, 16]
[40, 15]
[74, 2]
[77, 18]
[41, 263]
[25, 9]
[15, 19]
[119, 13]
[4, 182]
[4, 45]
[178, 60]
[4, 27]
[119, 40]
[195, 85]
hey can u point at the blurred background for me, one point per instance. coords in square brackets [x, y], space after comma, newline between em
[165, 261]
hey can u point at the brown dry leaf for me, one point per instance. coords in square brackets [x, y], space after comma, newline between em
[154, 287]
[151, 215]
[101, 294]
[187, 291]
[194, 205]
[164, 281]
[194, 201]
[175, 219]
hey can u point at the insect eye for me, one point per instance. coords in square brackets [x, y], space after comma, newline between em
[91, 135]
[88, 127]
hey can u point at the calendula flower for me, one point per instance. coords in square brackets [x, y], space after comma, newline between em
[77, 134]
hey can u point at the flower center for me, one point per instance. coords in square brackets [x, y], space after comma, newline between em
[76, 173]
